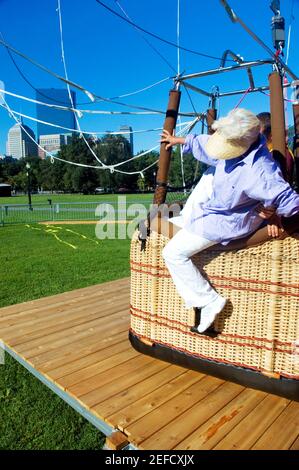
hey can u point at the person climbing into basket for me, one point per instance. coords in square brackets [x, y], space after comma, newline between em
[245, 177]
[204, 188]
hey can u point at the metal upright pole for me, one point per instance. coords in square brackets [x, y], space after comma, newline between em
[278, 120]
[296, 142]
[165, 155]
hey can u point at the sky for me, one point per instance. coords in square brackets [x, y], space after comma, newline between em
[109, 57]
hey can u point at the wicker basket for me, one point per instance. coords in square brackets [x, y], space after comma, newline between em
[259, 326]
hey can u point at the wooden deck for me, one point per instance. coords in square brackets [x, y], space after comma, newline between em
[76, 343]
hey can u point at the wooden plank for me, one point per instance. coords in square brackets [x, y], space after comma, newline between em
[186, 422]
[112, 388]
[77, 333]
[56, 340]
[127, 407]
[53, 307]
[99, 289]
[216, 429]
[87, 360]
[258, 421]
[28, 321]
[281, 434]
[99, 367]
[65, 320]
[116, 441]
[153, 421]
[295, 445]
[78, 348]
[115, 373]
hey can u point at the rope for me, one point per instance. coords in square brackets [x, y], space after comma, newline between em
[182, 131]
[80, 112]
[285, 99]
[140, 90]
[175, 189]
[242, 98]
[54, 157]
[178, 36]
[68, 87]
[94, 133]
[107, 167]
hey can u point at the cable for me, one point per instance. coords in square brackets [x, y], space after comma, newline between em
[190, 99]
[155, 35]
[290, 31]
[236, 19]
[178, 73]
[91, 95]
[26, 79]
[83, 103]
[146, 40]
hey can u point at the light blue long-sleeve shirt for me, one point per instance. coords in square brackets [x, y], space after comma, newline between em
[239, 186]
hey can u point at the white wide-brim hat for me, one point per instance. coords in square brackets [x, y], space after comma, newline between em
[223, 149]
[234, 135]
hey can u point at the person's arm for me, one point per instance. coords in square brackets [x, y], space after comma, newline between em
[266, 184]
[171, 140]
[274, 224]
[192, 143]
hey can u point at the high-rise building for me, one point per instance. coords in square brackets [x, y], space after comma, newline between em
[58, 97]
[19, 144]
[52, 143]
[128, 134]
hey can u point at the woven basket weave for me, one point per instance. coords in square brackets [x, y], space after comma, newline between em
[259, 326]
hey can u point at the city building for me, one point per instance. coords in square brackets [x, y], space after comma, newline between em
[126, 132]
[19, 144]
[58, 97]
[52, 143]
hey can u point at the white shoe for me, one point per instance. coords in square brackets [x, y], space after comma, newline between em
[210, 312]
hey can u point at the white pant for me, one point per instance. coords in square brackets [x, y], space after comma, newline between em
[190, 283]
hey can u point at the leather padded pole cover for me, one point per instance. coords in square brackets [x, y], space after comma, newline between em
[278, 119]
[296, 141]
[211, 117]
[165, 155]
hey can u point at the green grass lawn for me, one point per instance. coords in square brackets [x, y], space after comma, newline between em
[43, 199]
[35, 264]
